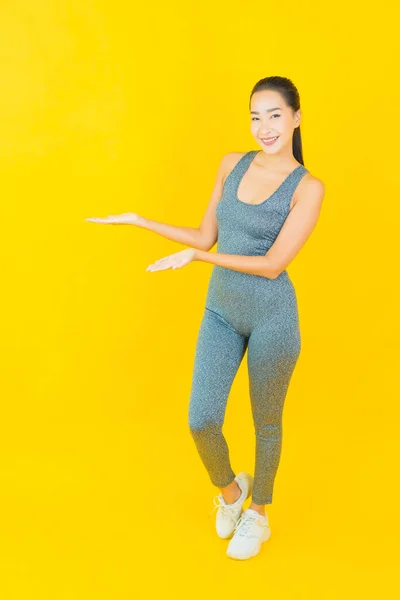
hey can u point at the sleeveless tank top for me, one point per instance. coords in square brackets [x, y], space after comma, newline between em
[250, 230]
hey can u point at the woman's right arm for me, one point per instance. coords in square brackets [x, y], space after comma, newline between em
[205, 236]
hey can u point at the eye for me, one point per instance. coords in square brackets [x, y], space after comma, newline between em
[274, 115]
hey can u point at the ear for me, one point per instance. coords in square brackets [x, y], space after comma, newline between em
[297, 117]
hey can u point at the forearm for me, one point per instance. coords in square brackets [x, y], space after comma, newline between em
[254, 265]
[188, 236]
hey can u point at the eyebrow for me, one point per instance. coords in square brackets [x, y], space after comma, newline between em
[254, 112]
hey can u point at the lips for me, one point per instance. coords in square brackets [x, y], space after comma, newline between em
[269, 138]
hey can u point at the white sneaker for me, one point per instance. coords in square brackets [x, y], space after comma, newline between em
[229, 514]
[251, 530]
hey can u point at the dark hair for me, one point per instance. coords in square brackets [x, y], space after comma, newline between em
[289, 92]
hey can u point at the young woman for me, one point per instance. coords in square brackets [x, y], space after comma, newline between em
[263, 208]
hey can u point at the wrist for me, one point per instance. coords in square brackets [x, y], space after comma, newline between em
[141, 221]
[199, 254]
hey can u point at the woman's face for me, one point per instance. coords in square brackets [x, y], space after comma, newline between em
[271, 117]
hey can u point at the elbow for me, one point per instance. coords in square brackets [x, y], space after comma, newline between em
[206, 239]
[273, 274]
[272, 271]
[206, 247]
[206, 244]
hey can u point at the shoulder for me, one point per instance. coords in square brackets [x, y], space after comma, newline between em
[310, 188]
[229, 161]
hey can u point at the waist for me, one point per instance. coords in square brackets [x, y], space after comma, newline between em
[231, 291]
[230, 274]
[227, 283]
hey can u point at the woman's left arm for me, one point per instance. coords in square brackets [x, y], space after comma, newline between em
[295, 231]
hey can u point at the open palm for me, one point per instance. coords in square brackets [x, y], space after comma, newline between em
[174, 261]
[122, 219]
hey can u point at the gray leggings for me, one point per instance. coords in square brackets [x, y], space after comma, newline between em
[242, 312]
[273, 347]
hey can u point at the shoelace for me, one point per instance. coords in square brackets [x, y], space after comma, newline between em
[245, 524]
[225, 508]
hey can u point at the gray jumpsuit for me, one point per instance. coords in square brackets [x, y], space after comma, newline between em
[252, 312]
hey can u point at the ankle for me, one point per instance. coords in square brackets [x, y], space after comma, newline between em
[231, 493]
[260, 508]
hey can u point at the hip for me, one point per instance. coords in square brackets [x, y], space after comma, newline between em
[249, 299]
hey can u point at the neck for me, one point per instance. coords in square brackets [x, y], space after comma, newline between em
[284, 161]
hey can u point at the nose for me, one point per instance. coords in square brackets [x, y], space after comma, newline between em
[266, 133]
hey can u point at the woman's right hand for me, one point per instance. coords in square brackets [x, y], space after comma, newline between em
[122, 219]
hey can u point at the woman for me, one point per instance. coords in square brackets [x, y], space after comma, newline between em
[263, 208]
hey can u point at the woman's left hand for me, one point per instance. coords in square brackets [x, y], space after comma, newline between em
[174, 261]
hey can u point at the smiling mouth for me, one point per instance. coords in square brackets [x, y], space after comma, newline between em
[269, 141]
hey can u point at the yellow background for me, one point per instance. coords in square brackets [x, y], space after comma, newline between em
[110, 107]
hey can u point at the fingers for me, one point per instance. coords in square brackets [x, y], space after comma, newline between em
[164, 266]
[161, 265]
[98, 219]
[160, 260]
[169, 262]
[109, 219]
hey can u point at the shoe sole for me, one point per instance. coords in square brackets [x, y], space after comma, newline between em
[255, 552]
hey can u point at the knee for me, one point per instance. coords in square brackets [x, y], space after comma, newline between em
[202, 426]
[293, 355]
[289, 356]
[269, 432]
[296, 349]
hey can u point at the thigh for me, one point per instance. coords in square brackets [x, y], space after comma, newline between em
[219, 352]
[273, 351]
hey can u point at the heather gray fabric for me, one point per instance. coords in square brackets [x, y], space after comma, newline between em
[242, 312]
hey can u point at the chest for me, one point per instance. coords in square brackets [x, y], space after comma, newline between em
[260, 190]
[262, 222]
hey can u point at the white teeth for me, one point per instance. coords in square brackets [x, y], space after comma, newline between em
[270, 139]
